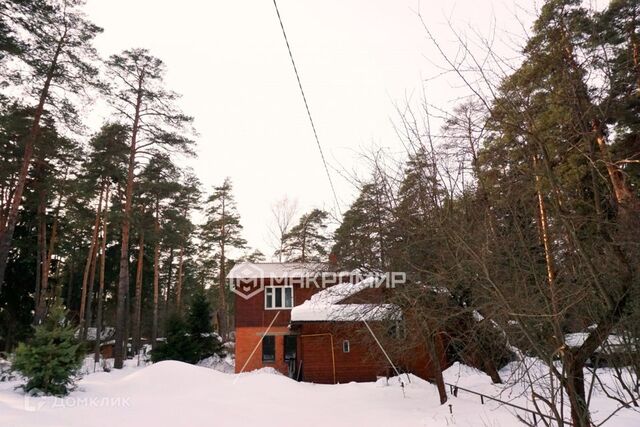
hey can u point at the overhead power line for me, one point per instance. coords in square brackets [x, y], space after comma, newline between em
[306, 105]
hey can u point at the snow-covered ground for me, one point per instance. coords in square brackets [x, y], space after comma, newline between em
[177, 394]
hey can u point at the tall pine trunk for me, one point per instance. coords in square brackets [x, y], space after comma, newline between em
[168, 288]
[8, 228]
[137, 316]
[100, 294]
[625, 197]
[44, 287]
[70, 283]
[41, 299]
[156, 275]
[90, 291]
[43, 271]
[222, 312]
[546, 239]
[123, 279]
[179, 281]
[93, 247]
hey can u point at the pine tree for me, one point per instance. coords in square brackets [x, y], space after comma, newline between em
[413, 237]
[220, 233]
[138, 94]
[185, 200]
[39, 225]
[553, 183]
[50, 361]
[54, 162]
[103, 171]
[103, 168]
[200, 323]
[159, 180]
[254, 256]
[179, 345]
[308, 240]
[618, 31]
[57, 33]
[361, 240]
[10, 44]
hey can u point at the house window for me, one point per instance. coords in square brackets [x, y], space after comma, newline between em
[268, 348]
[346, 347]
[277, 297]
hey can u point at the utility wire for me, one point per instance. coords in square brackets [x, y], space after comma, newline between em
[306, 105]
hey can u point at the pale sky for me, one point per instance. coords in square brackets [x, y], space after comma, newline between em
[357, 59]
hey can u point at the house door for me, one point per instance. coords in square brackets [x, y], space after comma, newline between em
[290, 353]
[318, 358]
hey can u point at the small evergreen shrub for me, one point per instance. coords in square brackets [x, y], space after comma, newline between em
[178, 345]
[206, 341]
[51, 360]
[192, 340]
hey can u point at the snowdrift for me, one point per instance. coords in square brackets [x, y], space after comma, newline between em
[176, 394]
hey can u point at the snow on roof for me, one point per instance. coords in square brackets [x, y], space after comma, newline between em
[325, 305]
[342, 312]
[276, 270]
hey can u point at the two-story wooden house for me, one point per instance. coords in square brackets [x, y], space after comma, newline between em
[290, 317]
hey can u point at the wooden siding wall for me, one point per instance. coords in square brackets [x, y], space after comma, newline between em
[364, 362]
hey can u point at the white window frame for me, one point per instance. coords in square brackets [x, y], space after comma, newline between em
[270, 291]
[346, 346]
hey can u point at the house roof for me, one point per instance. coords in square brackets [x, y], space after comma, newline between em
[276, 270]
[325, 306]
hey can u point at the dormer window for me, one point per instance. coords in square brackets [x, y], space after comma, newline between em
[278, 297]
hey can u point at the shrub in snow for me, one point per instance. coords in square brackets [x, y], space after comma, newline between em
[190, 341]
[51, 360]
[199, 322]
[178, 346]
